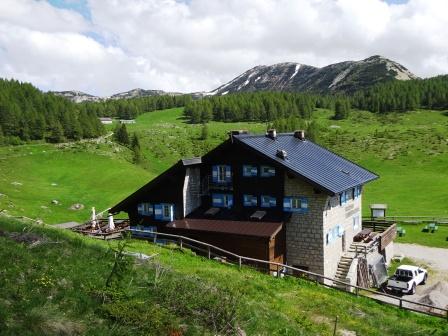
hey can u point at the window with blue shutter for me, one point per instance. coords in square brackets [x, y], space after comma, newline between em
[268, 201]
[145, 209]
[250, 200]
[222, 200]
[215, 174]
[164, 212]
[221, 174]
[343, 197]
[357, 192]
[158, 212]
[295, 204]
[250, 171]
[287, 204]
[267, 171]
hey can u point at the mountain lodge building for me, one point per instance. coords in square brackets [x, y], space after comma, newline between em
[277, 197]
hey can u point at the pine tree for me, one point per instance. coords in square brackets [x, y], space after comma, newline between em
[121, 135]
[204, 132]
[135, 146]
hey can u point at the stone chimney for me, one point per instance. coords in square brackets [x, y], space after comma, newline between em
[272, 133]
[300, 134]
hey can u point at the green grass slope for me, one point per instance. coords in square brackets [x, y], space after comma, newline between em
[53, 282]
[32, 176]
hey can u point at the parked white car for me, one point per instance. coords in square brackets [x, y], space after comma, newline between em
[406, 279]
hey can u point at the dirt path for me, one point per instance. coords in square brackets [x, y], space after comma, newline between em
[436, 258]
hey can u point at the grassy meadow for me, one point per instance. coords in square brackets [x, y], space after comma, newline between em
[409, 151]
[54, 282]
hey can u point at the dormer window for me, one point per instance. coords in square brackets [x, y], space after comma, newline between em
[267, 171]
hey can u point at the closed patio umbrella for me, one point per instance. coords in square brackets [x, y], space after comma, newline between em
[111, 222]
[93, 220]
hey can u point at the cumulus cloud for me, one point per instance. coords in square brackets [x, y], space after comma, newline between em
[197, 45]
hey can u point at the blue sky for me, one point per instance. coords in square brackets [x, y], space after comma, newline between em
[79, 6]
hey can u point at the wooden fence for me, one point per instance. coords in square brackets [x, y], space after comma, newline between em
[440, 220]
[210, 250]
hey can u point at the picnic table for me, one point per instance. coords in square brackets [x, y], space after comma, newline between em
[431, 227]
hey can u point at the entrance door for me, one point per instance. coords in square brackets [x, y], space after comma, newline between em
[343, 242]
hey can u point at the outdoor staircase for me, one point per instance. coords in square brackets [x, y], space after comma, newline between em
[346, 261]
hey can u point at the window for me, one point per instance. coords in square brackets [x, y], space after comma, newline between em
[357, 192]
[333, 234]
[222, 200]
[164, 212]
[250, 200]
[222, 174]
[295, 204]
[268, 201]
[267, 171]
[145, 209]
[250, 171]
[343, 197]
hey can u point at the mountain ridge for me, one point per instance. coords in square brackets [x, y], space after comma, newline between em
[342, 77]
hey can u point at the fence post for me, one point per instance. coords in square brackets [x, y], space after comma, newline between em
[180, 243]
[208, 252]
[357, 290]
[239, 262]
[155, 237]
[401, 303]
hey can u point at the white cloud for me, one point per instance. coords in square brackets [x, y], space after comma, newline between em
[199, 44]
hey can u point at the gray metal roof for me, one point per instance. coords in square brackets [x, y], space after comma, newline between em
[310, 161]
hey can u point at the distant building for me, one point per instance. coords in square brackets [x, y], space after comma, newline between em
[127, 121]
[277, 197]
[106, 120]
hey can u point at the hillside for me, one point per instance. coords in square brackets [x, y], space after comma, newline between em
[27, 114]
[344, 77]
[58, 284]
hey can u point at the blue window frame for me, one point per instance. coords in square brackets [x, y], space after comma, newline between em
[222, 200]
[250, 171]
[164, 212]
[267, 171]
[145, 209]
[356, 192]
[295, 204]
[250, 200]
[222, 174]
[268, 201]
[343, 197]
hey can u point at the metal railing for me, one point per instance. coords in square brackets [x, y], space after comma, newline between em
[358, 291]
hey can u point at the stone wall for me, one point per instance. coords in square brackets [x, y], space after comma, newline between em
[306, 233]
[192, 190]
